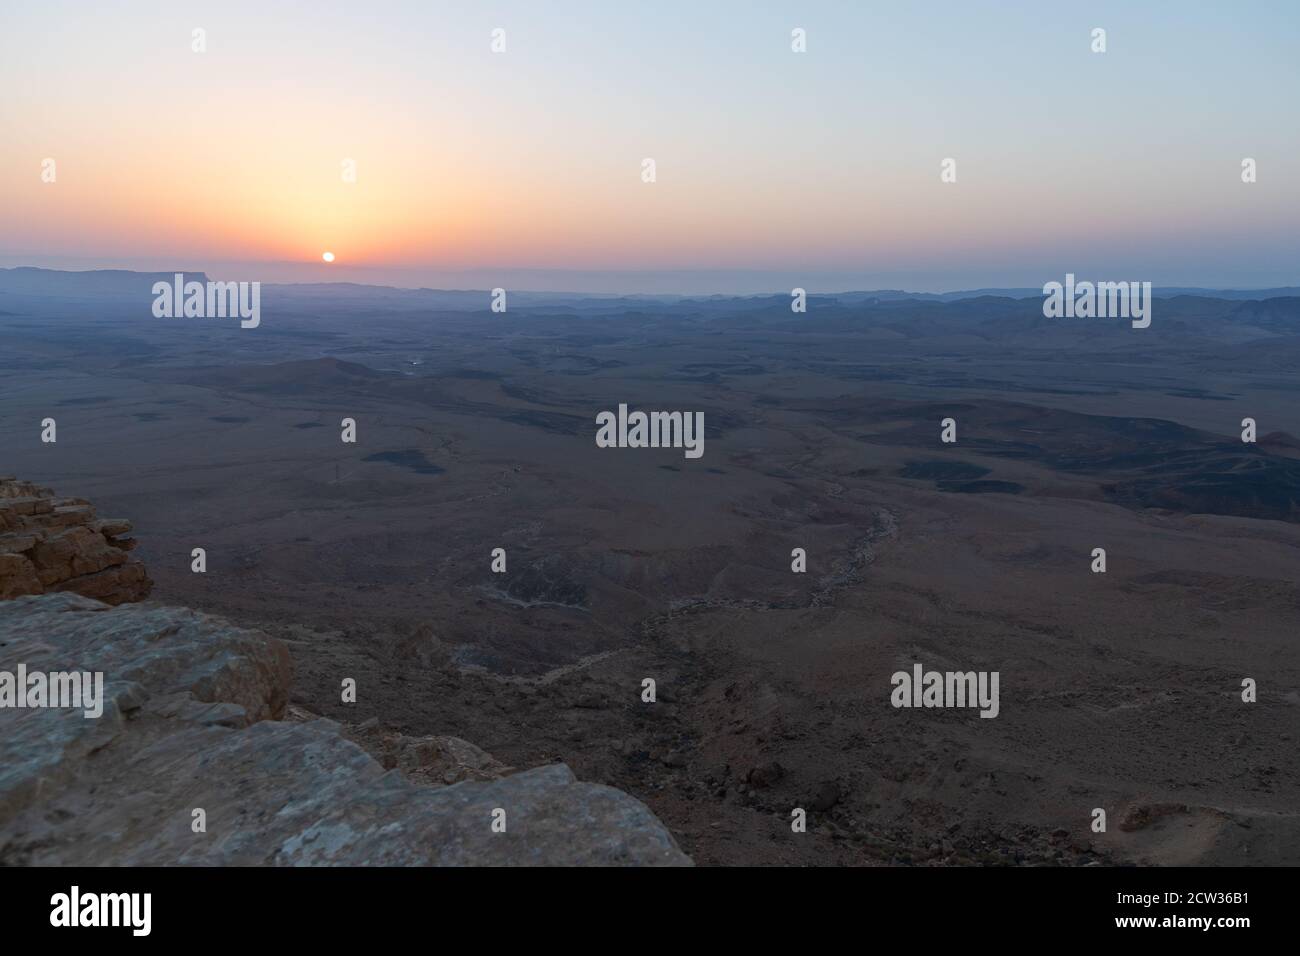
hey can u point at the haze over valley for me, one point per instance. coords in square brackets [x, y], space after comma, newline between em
[475, 431]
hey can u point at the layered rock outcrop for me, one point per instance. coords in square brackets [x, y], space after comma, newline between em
[191, 722]
[49, 543]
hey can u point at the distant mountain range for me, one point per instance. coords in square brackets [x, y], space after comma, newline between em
[54, 283]
[117, 283]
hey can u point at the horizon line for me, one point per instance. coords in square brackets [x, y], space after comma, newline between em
[967, 291]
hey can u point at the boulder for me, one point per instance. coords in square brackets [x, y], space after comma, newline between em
[189, 723]
[61, 546]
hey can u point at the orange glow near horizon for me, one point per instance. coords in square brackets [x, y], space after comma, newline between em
[532, 159]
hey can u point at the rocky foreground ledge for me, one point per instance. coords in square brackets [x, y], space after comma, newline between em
[192, 720]
[49, 543]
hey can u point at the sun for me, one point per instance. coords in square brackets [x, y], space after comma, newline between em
[328, 256]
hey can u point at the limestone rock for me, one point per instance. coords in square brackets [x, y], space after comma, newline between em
[48, 543]
[189, 723]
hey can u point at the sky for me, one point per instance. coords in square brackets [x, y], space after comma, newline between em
[524, 168]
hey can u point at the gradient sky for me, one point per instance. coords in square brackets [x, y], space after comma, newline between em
[774, 169]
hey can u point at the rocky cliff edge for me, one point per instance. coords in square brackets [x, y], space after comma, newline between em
[192, 721]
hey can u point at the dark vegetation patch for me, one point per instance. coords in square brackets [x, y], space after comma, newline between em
[549, 421]
[726, 368]
[524, 394]
[1198, 393]
[411, 459]
[981, 487]
[942, 470]
[1228, 483]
